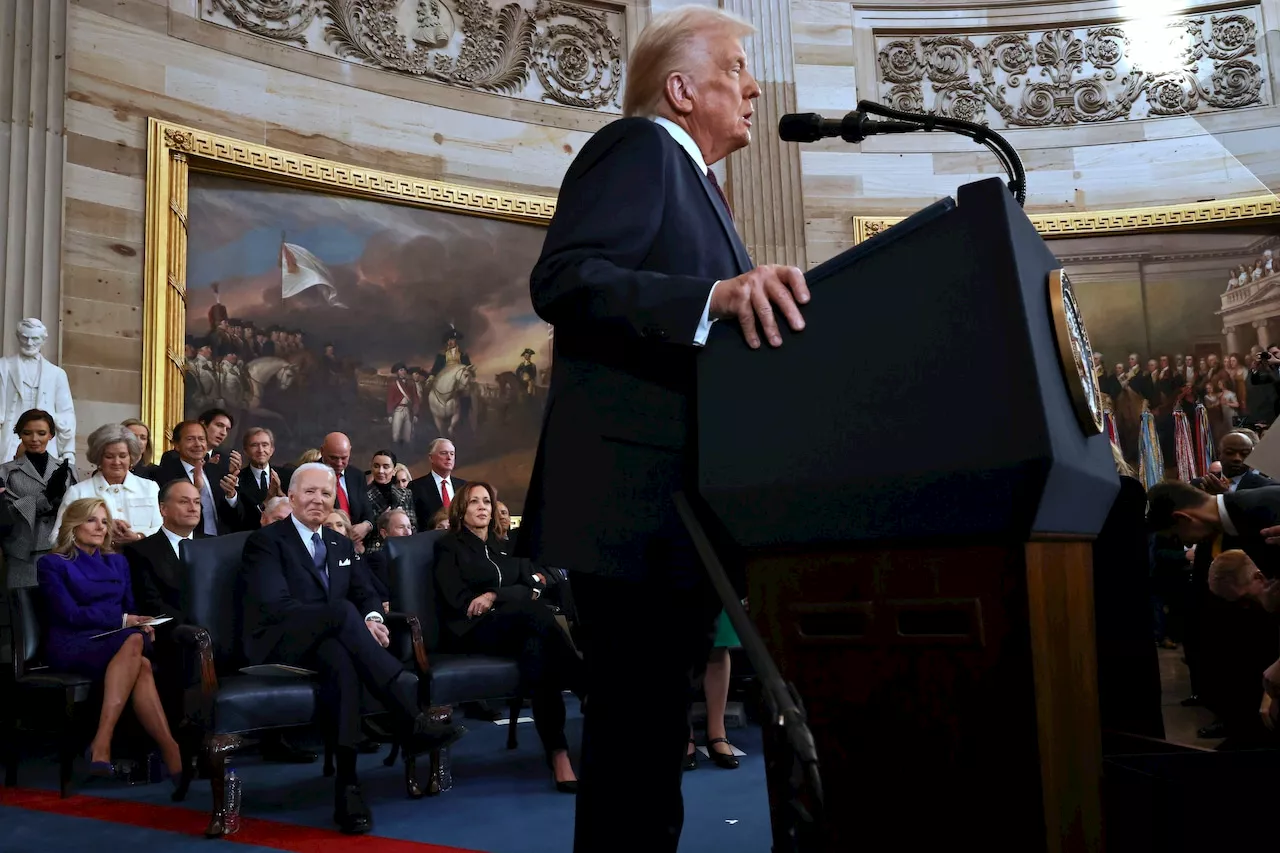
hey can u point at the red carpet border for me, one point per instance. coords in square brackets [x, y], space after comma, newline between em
[259, 833]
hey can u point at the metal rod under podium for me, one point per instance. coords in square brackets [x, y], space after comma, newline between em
[785, 707]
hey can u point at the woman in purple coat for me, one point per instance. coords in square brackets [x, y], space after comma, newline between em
[86, 592]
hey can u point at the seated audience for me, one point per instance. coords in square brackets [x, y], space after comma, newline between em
[383, 495]
[436, 490]
[400, 476]
[503, 542]
[339, 522]
[221, 508]
[392, 522]
[439, 520]
[155, 562]
[145, 466]
[489, 605]
[34, 485]
[308, 602]
[352, 497]
[132, 500]
[275, 509]
[1233, 472]
[87, 591]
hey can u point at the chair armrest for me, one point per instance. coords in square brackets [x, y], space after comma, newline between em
[409, 622]
[197, 639]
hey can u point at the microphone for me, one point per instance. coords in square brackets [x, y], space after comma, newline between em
[854, 127]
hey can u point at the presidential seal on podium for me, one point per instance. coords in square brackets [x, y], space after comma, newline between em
[1075, 353]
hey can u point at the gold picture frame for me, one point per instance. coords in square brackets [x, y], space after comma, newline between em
[1238, 211]
[174, 151]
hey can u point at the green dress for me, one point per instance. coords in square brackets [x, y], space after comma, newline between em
[726, 637]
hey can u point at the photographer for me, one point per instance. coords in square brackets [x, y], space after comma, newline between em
[1266, 371]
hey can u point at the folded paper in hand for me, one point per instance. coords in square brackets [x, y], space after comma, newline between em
[277, 669]
[159, 620]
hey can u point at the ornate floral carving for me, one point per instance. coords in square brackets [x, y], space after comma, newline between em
[1067, 76]
[283, 20]
[501, 46]
[179, 139]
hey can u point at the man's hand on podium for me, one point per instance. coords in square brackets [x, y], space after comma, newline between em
[752, 297]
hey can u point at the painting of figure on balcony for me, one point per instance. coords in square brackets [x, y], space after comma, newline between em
[1177, 321]
[309, 313]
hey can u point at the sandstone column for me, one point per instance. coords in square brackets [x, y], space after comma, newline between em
[764, 178]
[1233, 344]
[1264, 334]
[33, 42]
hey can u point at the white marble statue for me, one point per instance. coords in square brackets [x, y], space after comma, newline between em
[1268, 265]
[30, 381]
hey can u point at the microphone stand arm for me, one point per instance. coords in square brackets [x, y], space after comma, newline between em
[998, 145]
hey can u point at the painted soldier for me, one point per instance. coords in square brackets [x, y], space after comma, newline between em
[527, 371]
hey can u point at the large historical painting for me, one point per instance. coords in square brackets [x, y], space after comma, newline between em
[310, 308]
[1176, 321]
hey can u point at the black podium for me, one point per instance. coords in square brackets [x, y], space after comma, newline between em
[913, 497]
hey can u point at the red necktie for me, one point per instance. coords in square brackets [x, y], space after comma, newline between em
[343, 504]
[444, 493]
[711, 176]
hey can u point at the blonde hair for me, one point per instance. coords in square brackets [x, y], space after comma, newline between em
[344, 518]
[1229, 573]
[395, 472]
[312, 455]
[667, 46]
[77, 513]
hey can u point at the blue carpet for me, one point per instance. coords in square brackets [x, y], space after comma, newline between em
[502, 802]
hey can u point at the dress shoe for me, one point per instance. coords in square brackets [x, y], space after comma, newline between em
[568, 787]
[279, 751]
[480, 711]
[350, 811]
[1215, 729]
[726, 760]
[691, 758]
[427, 735]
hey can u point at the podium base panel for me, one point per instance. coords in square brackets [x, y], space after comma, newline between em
[952, 693]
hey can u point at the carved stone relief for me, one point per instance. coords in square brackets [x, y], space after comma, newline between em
[1067, 76]
[540, 50]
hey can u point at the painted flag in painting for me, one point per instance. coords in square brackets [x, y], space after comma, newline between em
[300, 270]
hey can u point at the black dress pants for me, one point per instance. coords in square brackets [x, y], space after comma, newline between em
[645, 643]
[527, 631]
[333, 640]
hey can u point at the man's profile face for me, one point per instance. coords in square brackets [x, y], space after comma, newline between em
[218, 428]
[1191, 530]
[722, 90]
[1235, 450]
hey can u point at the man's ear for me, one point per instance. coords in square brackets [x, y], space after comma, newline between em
[679, 92]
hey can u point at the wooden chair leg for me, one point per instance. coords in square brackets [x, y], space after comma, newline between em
[513, 724]
[217, 749]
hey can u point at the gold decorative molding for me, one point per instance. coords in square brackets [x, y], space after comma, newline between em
[554, 51]
[1064, 76]
[1126, 220]
[174, 151]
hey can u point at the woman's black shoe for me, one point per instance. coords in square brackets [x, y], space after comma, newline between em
[727, 760]
[570, 787]
[691, 758]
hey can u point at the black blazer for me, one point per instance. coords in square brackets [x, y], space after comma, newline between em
[466, 568]
[426, 497]
[156, 573]
[252, 492]
[375, 562]
[639, 238]
[230, 519]
[281, 580]
[1251, 480]
[1250, 511]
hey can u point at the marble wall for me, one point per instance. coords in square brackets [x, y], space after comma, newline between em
[127, 60]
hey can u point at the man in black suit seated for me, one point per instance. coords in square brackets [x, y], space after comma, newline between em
[429, 493]
[639, 260]
[309, 603]
[258, 480]
[352, 494]
[1233, 644]
[222, 511]
[1235, 473]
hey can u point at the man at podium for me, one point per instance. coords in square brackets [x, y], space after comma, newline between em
[640, 259]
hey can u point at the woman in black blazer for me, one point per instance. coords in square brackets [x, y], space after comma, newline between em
[490, 604]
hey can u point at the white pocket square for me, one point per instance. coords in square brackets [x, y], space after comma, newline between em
[344, 562]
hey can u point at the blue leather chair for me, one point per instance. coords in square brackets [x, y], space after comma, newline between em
[228, 704]
[451, 679]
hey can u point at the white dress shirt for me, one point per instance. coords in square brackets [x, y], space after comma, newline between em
[136, 501]
[680, 135]
[453, 493]
[1227, 526]
[174, 539]
[257, 473]
[306, 534]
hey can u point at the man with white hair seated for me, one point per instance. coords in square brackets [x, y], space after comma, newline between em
[638, 262]
[309, 602]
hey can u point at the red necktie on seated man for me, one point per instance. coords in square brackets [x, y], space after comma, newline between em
[444, 493]
[343, 503]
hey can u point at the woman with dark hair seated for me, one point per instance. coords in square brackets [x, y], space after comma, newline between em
[490, 605]
[87, 592]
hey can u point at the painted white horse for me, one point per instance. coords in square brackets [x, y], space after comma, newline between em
[263, 371]
[445, 397]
